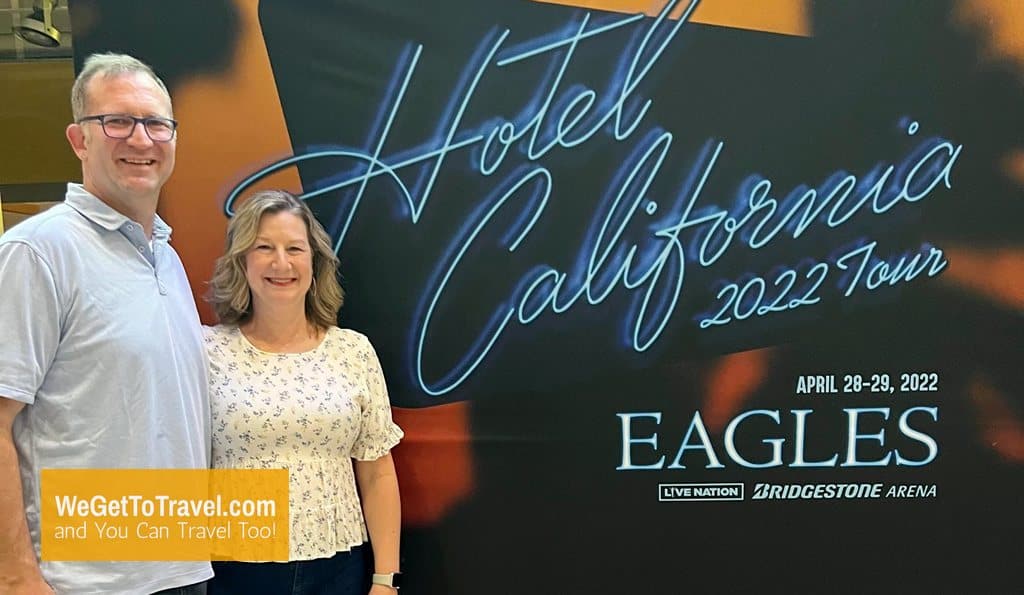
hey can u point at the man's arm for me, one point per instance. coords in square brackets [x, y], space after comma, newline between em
[19, 569]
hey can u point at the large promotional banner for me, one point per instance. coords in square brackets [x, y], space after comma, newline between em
[718, 296]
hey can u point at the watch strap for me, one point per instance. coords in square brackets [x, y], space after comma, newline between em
[390, 579]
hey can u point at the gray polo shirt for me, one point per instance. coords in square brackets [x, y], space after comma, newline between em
[102, 340]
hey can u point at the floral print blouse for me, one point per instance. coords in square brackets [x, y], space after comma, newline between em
[310, 413]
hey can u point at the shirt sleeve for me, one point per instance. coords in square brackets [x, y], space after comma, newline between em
[378, 433]
[31, 319]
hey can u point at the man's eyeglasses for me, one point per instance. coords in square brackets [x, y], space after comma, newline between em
[122, 126]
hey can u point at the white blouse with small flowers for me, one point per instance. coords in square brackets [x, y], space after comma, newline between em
[310, 413]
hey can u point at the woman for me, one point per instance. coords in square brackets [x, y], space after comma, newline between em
[289, 389]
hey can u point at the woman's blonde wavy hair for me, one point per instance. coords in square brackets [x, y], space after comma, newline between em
[229, 292]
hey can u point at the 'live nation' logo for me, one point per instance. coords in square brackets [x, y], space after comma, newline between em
[676, 492]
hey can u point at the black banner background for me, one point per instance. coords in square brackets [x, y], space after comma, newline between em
[549, 512]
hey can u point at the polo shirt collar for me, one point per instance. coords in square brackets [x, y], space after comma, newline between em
[100, 213]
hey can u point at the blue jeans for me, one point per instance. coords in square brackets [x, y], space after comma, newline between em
[196, 589]
[342, 574]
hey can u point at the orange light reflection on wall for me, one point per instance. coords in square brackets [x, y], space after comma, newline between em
[789, 17]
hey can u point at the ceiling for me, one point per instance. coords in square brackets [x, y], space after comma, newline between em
[14, 49]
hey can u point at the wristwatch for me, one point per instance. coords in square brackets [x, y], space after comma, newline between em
[392, 579]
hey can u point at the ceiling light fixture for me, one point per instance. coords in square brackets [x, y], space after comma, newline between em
[37, 28]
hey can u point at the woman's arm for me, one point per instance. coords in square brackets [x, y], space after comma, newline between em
[378, 488]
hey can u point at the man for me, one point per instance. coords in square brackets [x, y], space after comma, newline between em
[102, 362]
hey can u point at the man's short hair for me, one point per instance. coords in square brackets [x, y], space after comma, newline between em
[107, 65]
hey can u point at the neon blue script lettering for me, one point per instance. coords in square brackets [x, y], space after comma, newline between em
[654, 268]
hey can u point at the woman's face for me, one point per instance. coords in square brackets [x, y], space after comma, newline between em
[279, 265]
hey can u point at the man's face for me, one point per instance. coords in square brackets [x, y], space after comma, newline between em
[123, 171]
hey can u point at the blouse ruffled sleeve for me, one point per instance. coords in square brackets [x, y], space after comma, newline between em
[378, 433]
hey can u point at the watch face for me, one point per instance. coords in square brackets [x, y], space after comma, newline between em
[396, 580]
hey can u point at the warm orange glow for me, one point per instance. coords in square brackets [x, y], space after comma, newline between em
[732, 381]
[1000, 428]
[1014, 165]
[993, 273]
[193, 198]
[789, 17]
[433, 462]
[1002, 21]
